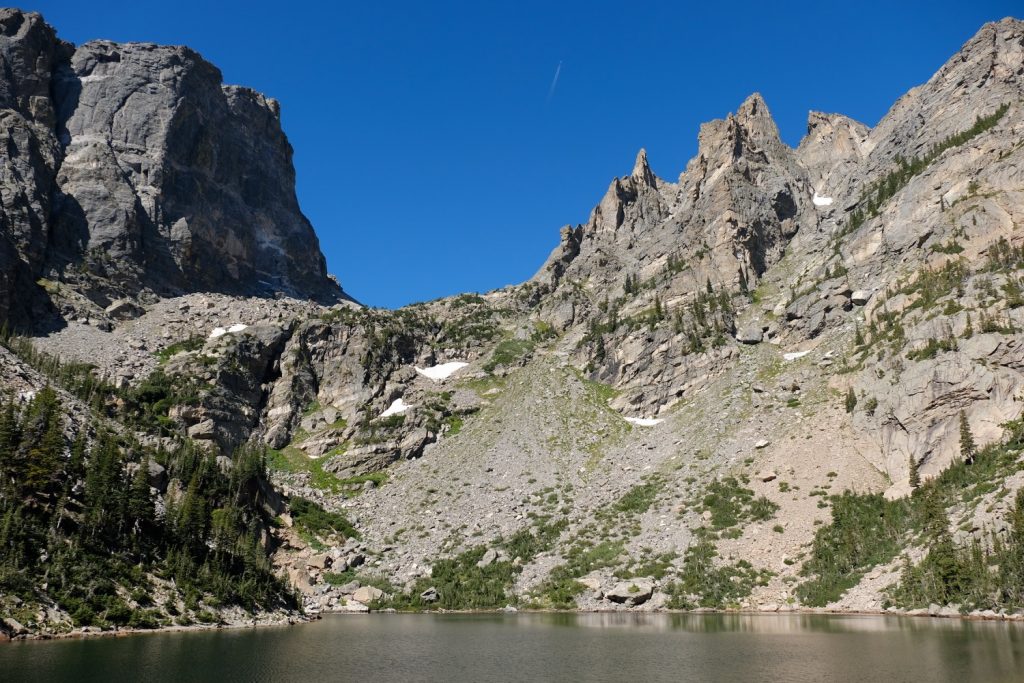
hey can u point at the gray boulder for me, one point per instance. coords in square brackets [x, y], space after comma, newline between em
[124, 309]
[367, 594]
[751, 334]
[157, 476]
[631, 592]
[491, 556]
[860, 297]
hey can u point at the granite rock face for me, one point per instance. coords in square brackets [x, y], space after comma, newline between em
[29, 54]
[131, 168]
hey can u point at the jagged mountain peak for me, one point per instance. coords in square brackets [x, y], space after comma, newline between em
[832, 141]
[753, 108]
[642, 170]
[749, 132]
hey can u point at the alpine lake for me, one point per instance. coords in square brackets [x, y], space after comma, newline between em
[544, 647]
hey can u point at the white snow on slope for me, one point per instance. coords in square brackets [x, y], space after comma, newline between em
[644, 421]
[442, 371]
[220, 331]
[821, 201]
[399, 406]
[795, 354]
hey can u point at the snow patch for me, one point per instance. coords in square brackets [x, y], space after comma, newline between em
[397, 408]
[442, 371]
[644, 421]
[220, 331]
[793, 355]
[821, 201]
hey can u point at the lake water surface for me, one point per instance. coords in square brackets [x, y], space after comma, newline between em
[544, 647]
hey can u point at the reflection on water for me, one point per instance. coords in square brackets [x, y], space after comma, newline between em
[764, 623]
[546, 647]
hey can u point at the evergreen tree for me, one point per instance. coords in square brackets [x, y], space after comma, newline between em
[851, 400]
[968, 451]
[193, 517]
[1011, 566]
[44, 446]
[935, 520]
[10, 439]
[140, 504]
[915, 473]
[103, 487]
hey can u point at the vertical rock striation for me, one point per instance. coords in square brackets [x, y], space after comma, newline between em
[131, 168]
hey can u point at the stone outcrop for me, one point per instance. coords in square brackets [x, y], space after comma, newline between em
[131, 168]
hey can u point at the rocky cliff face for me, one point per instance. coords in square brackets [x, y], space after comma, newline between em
[131, 168]
[773, 325]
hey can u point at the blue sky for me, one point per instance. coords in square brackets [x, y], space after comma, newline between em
[433, 156]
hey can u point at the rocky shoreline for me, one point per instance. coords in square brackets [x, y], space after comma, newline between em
[934, 612]
[264, 621]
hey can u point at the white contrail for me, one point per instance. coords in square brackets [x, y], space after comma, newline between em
[554, 81]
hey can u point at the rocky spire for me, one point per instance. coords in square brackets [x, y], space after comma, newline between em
[751, 131]
[754, 117]
[642, 172]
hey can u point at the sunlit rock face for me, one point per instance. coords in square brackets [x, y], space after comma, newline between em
[133, 168]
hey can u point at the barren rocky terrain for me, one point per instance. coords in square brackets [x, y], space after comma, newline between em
[778, 381]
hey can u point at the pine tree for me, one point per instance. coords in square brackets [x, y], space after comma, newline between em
[968, 450]
[140, 505]
[851, 400]
[915, 473]
[46, 446]
[103, 486]
[943, 570]
[193, 517]
[10, 439]
[936, 521]
[1011, 565]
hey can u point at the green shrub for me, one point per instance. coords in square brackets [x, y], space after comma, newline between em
[703, 583]
[311, 517]
[508, 353]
